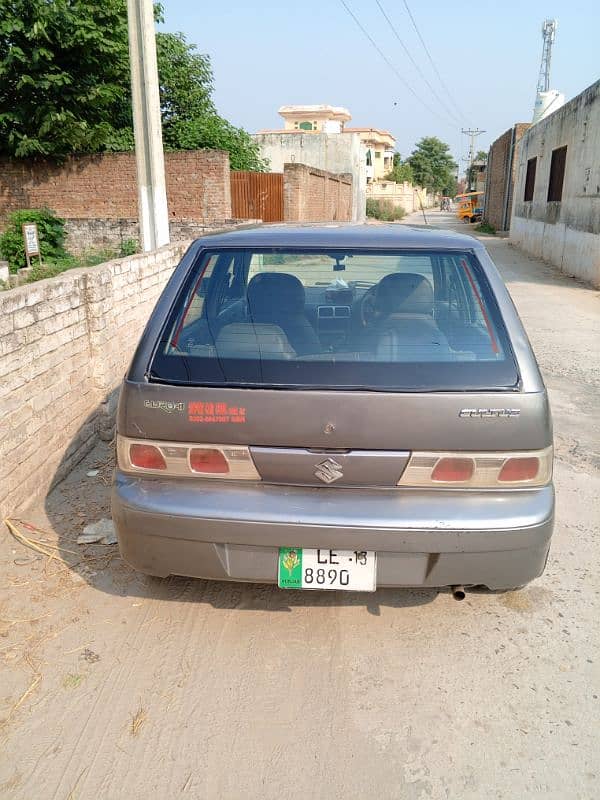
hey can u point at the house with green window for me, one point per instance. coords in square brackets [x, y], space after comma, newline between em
[379, 145]
[315, 118]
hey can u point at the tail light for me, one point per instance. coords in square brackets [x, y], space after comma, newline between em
[453, 470]
[205, 460]
[146, 456]
[519, 469]
[185, 460]
[479, 470]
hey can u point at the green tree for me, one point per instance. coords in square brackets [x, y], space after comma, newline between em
[401, 171]
[189, 117]
[185, 77]
[64, 71]
[433, 166]
[65, 84]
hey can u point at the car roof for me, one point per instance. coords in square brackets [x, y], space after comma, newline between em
[342, 235]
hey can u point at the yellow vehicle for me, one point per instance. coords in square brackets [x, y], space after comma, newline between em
[470, 208]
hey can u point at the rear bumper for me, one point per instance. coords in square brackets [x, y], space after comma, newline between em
[232, 531]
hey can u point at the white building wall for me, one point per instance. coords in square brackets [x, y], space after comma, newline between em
[334, 152]
[565, 233]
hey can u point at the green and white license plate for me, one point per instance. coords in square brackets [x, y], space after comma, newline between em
[303, 568]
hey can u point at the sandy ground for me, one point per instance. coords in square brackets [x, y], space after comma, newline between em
[114, 685]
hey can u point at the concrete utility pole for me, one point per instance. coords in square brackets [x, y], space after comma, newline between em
[152, 194]
[472, 134]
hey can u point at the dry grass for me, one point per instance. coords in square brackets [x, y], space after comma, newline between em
[72, 680]
[53, 551]
[55, 577]
[37, 677]
[137, 720]
[46, 548]
[11, 622]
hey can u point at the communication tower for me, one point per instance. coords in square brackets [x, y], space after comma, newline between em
[547, 100]
[548, 35]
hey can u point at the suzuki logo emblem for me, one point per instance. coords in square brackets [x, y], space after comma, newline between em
[329, 471]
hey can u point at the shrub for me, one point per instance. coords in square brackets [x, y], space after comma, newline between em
[51, 232]
[384, 210]
[485, 227]
[49, 269]
[128, 248]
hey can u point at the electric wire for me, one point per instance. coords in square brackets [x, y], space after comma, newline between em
[456, 115]
[431, 61]
[391, 65]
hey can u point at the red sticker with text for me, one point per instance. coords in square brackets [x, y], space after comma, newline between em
[219, 413]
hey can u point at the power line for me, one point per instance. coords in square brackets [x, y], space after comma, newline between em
[415, 64]
[389, 63]
[431, 61]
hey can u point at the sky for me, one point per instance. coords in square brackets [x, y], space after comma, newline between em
[266, 54]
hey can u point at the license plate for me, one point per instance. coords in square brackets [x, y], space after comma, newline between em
[350, 570]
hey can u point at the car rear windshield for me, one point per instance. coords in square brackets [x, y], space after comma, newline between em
[403, 320]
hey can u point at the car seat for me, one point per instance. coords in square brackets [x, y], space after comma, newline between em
[276, 298]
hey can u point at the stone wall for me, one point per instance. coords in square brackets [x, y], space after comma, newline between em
[84, 235]
[65, 344]
[104, 186]
[565, 232]
[314, 195]
[500, 176]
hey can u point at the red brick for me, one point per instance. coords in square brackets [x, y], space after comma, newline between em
[104, 186]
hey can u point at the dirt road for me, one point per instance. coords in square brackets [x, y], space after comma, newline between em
[117, 686]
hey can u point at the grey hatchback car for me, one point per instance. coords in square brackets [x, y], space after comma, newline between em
[336, 407]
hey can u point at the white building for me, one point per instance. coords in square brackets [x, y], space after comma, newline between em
[556, 203]
[316, 135]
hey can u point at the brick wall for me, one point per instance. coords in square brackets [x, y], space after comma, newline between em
[65, 344]
[501, 171]
[104, 186]
[314, 195]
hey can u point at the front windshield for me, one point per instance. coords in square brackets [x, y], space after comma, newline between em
[341, 269]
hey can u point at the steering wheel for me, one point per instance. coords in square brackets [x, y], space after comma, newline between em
[366, 308]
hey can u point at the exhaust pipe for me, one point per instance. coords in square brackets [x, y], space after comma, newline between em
[458, 592]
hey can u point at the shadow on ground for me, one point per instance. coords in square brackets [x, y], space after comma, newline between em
[83, 497]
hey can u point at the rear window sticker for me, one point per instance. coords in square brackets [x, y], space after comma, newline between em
[215, 413]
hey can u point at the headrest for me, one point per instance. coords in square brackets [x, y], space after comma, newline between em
[275, 293]
[404, 293]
